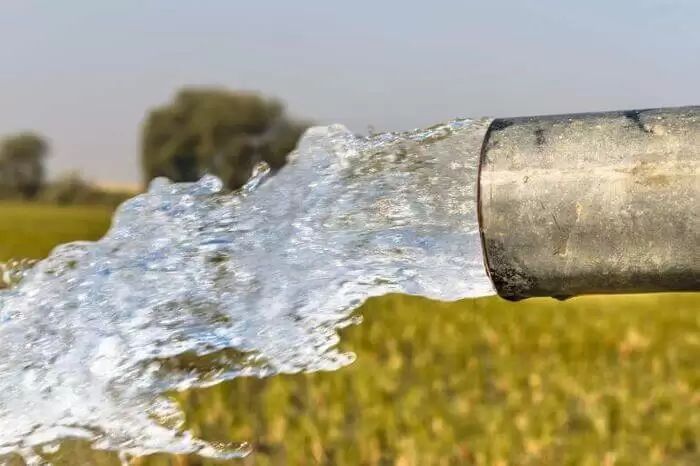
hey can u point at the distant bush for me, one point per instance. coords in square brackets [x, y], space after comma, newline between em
[72, 188]
[9, 193]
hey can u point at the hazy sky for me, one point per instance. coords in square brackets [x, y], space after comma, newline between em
[84, 72]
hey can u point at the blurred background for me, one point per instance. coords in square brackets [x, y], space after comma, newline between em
[98, 98]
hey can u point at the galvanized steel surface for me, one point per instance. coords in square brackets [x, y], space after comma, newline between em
[592, 203]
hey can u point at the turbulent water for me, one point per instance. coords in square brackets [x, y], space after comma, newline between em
[191, 286]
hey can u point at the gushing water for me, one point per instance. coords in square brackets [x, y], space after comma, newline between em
[191, 286]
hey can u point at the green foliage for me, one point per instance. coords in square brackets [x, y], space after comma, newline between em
[22, 165]
[211, 130]
[590, 381]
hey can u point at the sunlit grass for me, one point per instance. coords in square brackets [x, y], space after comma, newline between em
[29, 230]
[591, 381]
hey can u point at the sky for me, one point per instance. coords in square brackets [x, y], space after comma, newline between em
[84, 73]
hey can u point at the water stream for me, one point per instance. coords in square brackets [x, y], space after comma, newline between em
[191, 286]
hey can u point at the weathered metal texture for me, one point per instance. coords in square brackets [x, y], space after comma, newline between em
[592, 203]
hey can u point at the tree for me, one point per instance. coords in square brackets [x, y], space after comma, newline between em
[22, 163]
[216, 131]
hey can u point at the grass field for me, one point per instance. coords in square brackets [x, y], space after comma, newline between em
[32, 230]
[592, 381]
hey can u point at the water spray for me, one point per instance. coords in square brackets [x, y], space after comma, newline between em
[259, 282]
[595, 203]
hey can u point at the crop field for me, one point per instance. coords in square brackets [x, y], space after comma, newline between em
[591, 381]
[32, 230]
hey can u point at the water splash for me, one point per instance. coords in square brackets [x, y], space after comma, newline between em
[191, 287]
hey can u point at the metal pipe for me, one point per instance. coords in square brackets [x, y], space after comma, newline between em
[592, 203]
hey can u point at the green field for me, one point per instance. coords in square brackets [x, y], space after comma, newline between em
[32, 230]
[592, 381]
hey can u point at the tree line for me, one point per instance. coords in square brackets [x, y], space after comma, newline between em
[201, 130]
